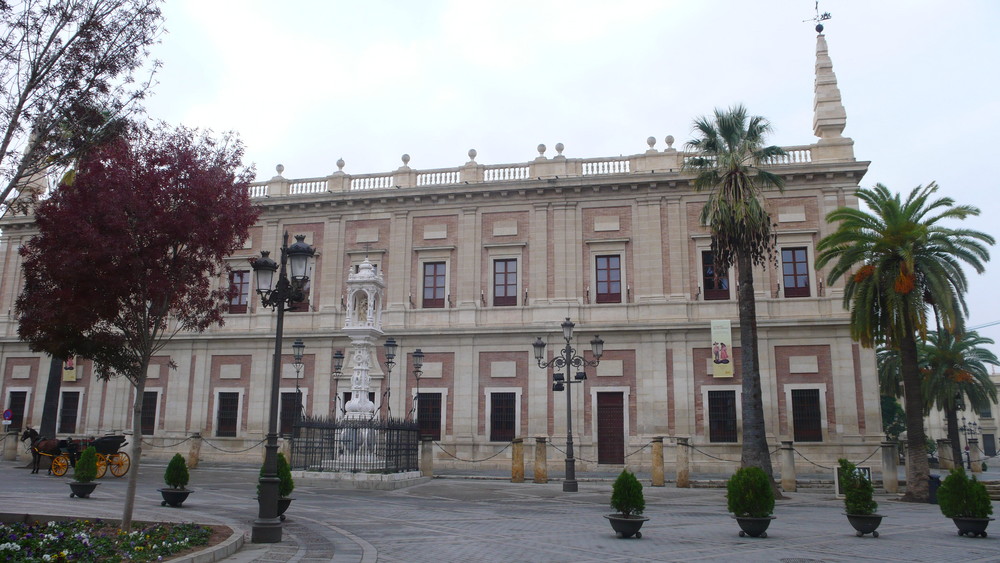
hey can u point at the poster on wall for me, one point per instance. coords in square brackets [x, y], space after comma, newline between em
[69, 369]
[722, 345]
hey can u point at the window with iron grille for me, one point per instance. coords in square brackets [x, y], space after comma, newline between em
[722, 416]
[429, 414]
[505, 282]
[434, 280]
[715, 286]
[806, 418]
[986, 411]
[16, 402]
[228, 416]
[609, 279]
[502, 416]
[795, 272]
[68, 412]
[290, 408]
[239, 291]
[149, 401]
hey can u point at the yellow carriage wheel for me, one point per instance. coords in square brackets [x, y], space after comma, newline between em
[60, 464]
[102, 465]
[119, 463]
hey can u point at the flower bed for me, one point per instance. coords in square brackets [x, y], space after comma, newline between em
[86, 540]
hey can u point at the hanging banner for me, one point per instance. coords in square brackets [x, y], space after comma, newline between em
[69, 369]
[722, 345]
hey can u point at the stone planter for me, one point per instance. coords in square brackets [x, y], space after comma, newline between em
[174, 497]
[753, 527]
[971, 527]
[283, 504]
[626, 527]
[81, 490]
[865, 523]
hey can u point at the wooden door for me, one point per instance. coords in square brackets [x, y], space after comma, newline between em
[611, 428]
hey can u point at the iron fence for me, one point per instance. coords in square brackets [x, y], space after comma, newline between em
[355, 446]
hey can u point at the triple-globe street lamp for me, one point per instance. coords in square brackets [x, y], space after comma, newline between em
[278, 294]
[568, 360]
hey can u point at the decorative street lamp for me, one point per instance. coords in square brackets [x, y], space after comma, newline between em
[390, 360]
[418, 372]
[971, 431]
[569, 359]
[338, 365]
[277, 294]
[298, 348]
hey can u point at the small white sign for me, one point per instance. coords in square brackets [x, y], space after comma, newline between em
[7, 422]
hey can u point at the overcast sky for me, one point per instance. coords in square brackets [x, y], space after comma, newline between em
[308, 82]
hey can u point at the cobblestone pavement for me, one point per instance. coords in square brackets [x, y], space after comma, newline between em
[472, 520]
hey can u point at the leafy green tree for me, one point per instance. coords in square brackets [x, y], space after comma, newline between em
[901, 265]
[893, 417]
[729, 157]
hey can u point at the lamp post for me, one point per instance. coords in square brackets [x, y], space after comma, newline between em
[277, 294]
[970, 430]
[418, 372]
[298, 348]
[390, 360]
[569, 359]
[338, 365]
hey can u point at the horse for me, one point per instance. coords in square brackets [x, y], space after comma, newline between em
[40, 446]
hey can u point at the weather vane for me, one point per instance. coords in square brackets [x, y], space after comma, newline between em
[819, 18]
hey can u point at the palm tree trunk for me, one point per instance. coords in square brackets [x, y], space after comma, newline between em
[755, 452]
[917, 468]
[951, 417]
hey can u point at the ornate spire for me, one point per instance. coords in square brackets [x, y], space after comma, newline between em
[829, 116]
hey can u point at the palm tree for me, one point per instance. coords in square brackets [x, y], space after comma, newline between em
[900, 265]
[955, 373]
[730, 152]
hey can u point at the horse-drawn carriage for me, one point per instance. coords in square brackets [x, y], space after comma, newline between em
[63, 453]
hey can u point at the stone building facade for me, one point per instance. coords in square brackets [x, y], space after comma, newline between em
[479, 260]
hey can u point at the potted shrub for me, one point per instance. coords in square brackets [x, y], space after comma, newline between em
[966, 502]
[176, 477]
[285, 484]
[749, 498]
[858, 502]
[627, 499]
[84, 474]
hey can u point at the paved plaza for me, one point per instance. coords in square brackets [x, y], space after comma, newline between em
[486, 520]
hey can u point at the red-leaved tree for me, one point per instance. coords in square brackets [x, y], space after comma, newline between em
[132, 252]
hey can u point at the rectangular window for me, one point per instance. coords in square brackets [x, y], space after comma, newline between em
[68, 412]
[434, 280]
[291, 407]
[806, 417]
[505, 282]
[228, 416]
[722, 416]
[502, 416]
[795, 272]
[716, 286]
[429, 414]
[149, 401]
[986, 411]
[239, 291]
[989, 445]
[609, 279]
[16, 403]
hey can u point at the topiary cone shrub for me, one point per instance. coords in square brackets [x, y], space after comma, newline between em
[962, 497]
[748, 493]
[626, 495]
[176, 476]
[286, 484]
[858, 490]
[86, 467]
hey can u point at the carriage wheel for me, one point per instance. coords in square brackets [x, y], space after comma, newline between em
[119, 463]
[102, 465]
[60, 464]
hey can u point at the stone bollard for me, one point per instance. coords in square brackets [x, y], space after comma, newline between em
[10, 446]
[788, 483]
[426, 456]
[683, 464]
[974, 460]
[890, 467]
[658, 479]
[194, 453]
[945, 457]
[517, 461]
[541, 461]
